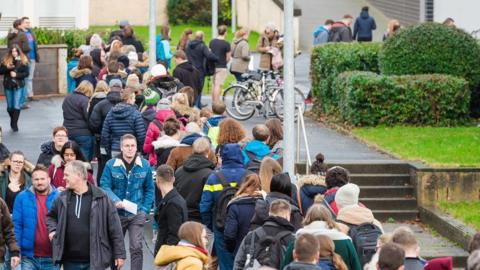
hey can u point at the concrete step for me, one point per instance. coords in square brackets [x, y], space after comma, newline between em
[380, 179]
[390, 203]
[374, 168]
[387, 192]
[395, 215]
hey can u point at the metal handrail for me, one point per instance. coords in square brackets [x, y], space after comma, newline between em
[301, 126]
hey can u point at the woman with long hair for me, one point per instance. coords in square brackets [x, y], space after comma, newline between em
[166, 45]
[230, 131]
[329, 260]
[275, 141]
[240, 211]
[14, 178]
[240, 54]
[84, 71]
[70, 152]
[184, 39]
[268, 168]
[14, 68]
[190, 253]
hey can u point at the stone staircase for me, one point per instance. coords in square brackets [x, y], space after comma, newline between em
[385, 188]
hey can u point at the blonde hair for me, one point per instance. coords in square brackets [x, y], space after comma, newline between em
[391, 25]
[180, 99]
[240, 33]
[102, 87]
[191, 231]
[318, 212]
[327, 249]
[8, 59]
[250, 185]
[86, 88]
[268, 168]
[127, 93]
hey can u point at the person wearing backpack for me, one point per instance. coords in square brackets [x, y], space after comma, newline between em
[220, 185]
[320, 35]
[280, 188]
[341, 31]
[255, 150]
[358, 222]
[266, 245]
[335, 178]
[240, 211]
[306, 253]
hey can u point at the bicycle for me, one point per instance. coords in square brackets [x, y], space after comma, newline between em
[260, 91]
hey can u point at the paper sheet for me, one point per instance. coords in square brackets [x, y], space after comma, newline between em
[130, 206]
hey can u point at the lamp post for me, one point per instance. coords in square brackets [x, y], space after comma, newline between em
[151, 35]
[214, 18]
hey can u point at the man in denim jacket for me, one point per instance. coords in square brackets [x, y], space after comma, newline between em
[128, 177]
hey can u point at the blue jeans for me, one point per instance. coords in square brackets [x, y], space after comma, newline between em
[14, 98]
[225, 258]
[86, 145]
[76, 266]
[29, 79]
[38, 263]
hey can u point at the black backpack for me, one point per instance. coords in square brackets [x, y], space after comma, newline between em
[253, 164]
[364, 238]
[266, 250]
[225, 196]
[334, 34]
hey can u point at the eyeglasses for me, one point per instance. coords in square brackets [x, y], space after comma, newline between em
[61, 136]
[17, 161]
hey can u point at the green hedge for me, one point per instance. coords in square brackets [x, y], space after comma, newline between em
[329, 60]
[198, 12]
[368, 99]
[431, 48]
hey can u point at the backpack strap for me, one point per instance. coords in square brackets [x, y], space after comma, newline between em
[222, 179]
[327, 205]
[158, 124]
[350, 225]
[256, 234]
[251, 156]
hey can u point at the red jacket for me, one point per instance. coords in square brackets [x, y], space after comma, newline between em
[55, 171]
[153, 132]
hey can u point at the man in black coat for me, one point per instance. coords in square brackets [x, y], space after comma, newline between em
[186, 73]
[199, 54]
[171, 211]
[191, 177]
[364, 26]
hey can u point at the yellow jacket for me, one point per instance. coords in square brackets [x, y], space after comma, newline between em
[187, 258]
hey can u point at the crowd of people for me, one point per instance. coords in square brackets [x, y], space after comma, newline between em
[136, 141]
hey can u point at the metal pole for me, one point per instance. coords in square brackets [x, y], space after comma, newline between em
[151, 35]
[214, 18]
[234, 16]
[288, 75]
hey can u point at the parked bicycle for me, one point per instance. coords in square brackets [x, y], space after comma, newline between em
[260, 91]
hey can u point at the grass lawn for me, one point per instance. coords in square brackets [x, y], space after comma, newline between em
[438, 147]
[141, 31]
[464, 211]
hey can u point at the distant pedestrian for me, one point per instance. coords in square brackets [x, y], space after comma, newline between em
[166, 45]
[405, 238]
[449, 22]
[341, 31]
[73, 63]
[84, 71]
[119, 32]
[240, 54]
[17, 36]
[392, 258]
[186, 73]
[32, 55]
[320, 35]
[392, 28]
[266, 45]
[184, 39]
[364, 26]
[221, 48]
[80, 221]
[130, 39]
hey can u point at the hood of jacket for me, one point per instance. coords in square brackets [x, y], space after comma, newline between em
[280, 222]
[355, 214]
[231, 155]
[114, 97]
[364, 14]
[190, 139]
[99, 95]
[197, 162]
[312, 179]
[260, 149]
[164, 142]
[326, 264]
[301, 266]
[215, 120]
[320, 227]
[77, 73]
[186, 66]
[194, 44]
[168, 254]
[163, 115]
[123, 110]
[164, 82]
[184, 110]
[48, 147]
[58, 162]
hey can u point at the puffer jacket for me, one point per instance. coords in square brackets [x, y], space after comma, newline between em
[13, 83]
[100, 111]
[47, 152]
[189, 182]
[56, 168]
[165, 86]
[153, 132]
[84, 74]
[122, 119]
[94, 100]
[75, 115]
[7, 234]
[185, 255]
[25, 218]
[310, 187]
[233, 170]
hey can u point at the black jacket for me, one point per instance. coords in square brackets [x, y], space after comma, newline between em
[171, 214]
[198, 54]
[101, 109]
[135, 42]
[48, 151]
[106, 236]
[17, 82]
[273, 226]
[340, 32]
[18, 37]
[262, 206]
[189, 181]
[75, 116]
[188, 75]
[302, 266]
[364, 26]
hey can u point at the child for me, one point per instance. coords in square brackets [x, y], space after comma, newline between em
[305, 253]
[211, 126]
[318, 166]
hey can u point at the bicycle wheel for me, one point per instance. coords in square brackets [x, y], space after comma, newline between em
[279, 104]
[239, 102]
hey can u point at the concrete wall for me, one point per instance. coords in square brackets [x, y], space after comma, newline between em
[50, 76]
[136, 12]
[256, 15]
[464, 12]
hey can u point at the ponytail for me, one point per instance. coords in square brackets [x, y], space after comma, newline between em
[338, 262]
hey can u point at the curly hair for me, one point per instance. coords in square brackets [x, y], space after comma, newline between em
[337, 177]
[230, 131]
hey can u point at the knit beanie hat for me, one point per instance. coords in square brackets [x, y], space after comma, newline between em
[158, 70]
[347, 195]
[151, 97]
[163, 104]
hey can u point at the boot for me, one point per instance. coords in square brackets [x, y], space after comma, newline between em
[15, 116]
[10, 113]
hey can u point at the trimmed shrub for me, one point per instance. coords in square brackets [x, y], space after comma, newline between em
[197, 12]
[431, 48]
[369, 99]
[329, 60]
